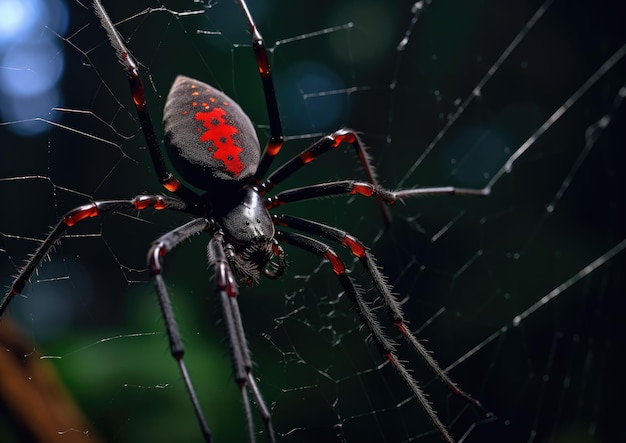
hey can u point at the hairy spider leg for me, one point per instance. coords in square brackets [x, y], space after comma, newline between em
[352, 187]
[76, 215]
[277, 138]
[227, 290]
[165, 177]
[390, 303]
[384, 345]
[159, 248]
[323, 145]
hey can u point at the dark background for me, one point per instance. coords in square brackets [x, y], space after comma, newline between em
[464, 268]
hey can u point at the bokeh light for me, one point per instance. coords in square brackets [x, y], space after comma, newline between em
[31, 62]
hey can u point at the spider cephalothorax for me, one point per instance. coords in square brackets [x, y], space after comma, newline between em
[213, 146]
[249, 232]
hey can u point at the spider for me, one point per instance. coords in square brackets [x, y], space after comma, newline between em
[213, 146]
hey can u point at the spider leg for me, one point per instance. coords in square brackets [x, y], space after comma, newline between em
[76, 215]
[167, 180]
[384, 345]
[351, 187]
[227, 291]
[390, 303]
[322, 146]
[279, 268]
[277, 138]
[159, 248]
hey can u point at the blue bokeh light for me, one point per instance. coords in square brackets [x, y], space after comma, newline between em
[34, 69]
[31, 62]
[18, 18]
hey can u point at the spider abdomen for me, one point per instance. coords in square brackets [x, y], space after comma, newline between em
[208, 137]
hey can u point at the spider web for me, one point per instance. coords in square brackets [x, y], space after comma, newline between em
[517, 295]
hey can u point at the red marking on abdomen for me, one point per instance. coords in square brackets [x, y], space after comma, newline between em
[220, 131]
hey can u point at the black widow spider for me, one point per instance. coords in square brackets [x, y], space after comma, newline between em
[213, 146]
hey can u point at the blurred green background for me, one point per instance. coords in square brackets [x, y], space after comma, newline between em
[464, 268]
